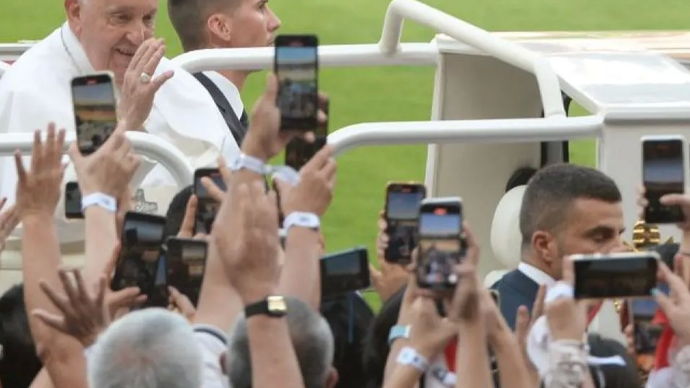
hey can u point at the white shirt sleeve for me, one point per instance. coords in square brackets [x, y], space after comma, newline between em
[213, 343]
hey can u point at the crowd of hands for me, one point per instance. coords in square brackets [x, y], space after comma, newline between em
[69, 308]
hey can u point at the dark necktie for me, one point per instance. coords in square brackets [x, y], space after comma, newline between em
[244, 120]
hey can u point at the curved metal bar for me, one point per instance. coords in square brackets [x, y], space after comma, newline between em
[468, 131]
[509, 52]
[145, 144]
[351, 55]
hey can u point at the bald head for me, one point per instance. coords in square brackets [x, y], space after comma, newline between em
[190, 17]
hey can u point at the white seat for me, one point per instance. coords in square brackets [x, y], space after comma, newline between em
[506, 240]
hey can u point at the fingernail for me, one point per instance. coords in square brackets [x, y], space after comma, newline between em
[655, 292]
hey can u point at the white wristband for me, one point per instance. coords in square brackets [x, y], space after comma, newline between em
[249, 163]
[302, 219]
[409, 356]
[101, 200]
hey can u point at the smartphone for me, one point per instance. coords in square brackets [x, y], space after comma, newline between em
[441, 242]
[298, 151]
[159, 295]
[401, 214]
[95, 110]
[345, 272]
[296, 64]
[186, 261]
[73, 201]
[663, 172]
[616, 275]
[207, 207]
[140, 251]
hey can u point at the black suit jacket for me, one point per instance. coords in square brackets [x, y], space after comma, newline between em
[238, 130]
[515, 289]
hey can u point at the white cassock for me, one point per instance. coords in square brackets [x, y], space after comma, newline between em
[36, 90]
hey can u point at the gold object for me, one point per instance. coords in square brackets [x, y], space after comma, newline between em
[645, 235]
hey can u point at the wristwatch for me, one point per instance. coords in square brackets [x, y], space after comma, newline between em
[273, 306]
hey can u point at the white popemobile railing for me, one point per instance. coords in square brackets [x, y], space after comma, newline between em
[145, 144]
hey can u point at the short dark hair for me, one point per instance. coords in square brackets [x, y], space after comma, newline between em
[553, 189]
[188, 18]
[19, 365]
[176, 211]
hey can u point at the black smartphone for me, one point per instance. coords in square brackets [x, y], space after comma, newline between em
[140, 251]
[616, 275]
[95, 110]
[663, 172]
[73, 201]
[401, 214]
[207, 207]
[646, 333]
[159, 295]
[186, 261]
[441, 242]
[296, 64]
[345, 272]
[298, 151]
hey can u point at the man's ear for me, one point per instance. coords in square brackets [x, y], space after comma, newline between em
[223, 359]
[73, 11]
[332, 378]
[219, 27]
[542, 245]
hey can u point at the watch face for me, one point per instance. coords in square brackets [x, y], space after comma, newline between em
[276, 304]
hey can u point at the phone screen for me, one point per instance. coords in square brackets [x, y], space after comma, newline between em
[344, 272]
[402, 212]
[160, 296]
[93, 97]
[298, 151]
[186, 261]
[207, 207]
[73, 201]
[140, 251]
[663, 173]
[440, 245]
[296, 65]
[619, 277]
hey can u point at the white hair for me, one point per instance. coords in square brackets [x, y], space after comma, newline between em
[150, 348]
[311, 337]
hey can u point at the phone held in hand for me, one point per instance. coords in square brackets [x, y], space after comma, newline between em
[663, 172]
[441, 243]
[615, 275]
[140, 252]
[207, 207]
[186, 260]
[345, 272]
[296, 64]
[95, 110]
[401, 215]
[73, 201]
[299, 151]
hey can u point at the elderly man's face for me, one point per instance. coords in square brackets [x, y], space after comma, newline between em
[110, 31]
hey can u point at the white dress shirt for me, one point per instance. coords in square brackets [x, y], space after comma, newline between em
[229, 90]
[538, 276]
[36, 90]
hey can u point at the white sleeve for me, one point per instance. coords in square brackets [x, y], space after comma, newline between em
[213, 344]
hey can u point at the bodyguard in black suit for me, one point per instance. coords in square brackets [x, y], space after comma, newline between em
[566, 210]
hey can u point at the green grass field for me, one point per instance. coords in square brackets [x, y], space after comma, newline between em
[388, 94]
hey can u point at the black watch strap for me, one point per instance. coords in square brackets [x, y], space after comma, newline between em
[272, 306]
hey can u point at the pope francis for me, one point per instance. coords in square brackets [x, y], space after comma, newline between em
[111, 35]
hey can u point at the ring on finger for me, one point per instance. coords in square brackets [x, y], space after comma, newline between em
[144, 78]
